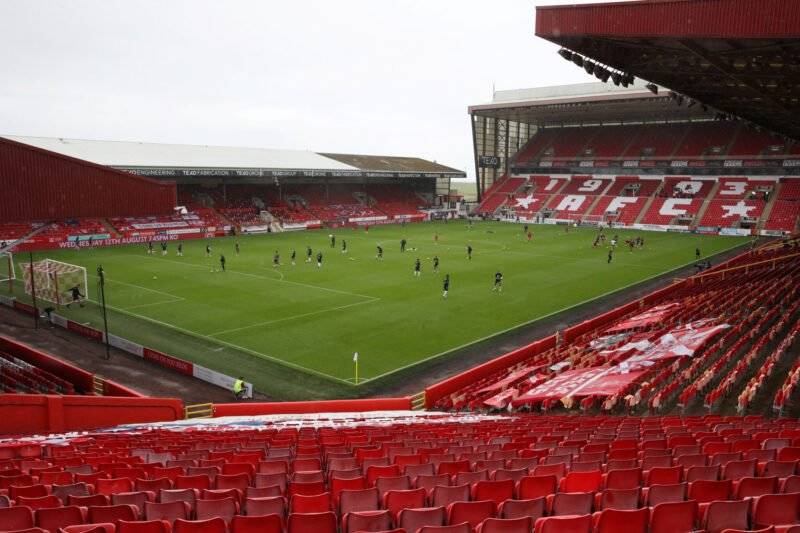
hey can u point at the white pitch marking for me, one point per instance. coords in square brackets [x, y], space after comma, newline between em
[284, 319]
[197, 265]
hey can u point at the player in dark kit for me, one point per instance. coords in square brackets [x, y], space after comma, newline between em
[276, 259]
[436, 263]
[469, 251]
[344, 246]
[379, 255]
[417, 267]
[294, 256]
[333, 240]
[319, 259]
[309, 253]
[236, 247]
[403, 245]
[76, 296]
[163, 247]
[610, 255]
[446, 286]
[697, 253]
[180, 249]
[149, 247]
[222, 262]
[208, 250]
[498, 282]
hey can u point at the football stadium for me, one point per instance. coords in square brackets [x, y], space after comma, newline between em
[227, 339]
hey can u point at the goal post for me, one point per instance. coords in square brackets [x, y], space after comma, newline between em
[53, 280]
[7, 273]
[587, 220]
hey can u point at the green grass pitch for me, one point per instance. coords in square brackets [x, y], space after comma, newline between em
[312, 320]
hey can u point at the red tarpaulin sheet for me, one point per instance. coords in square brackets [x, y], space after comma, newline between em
[597, 381]
[679, 342]
[510, 379]
[648, 318]
[499, 401]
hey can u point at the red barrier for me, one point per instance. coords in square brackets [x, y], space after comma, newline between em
[325, 406]
[25, 414]
[85, 331]
[82, 379]
[459, 381]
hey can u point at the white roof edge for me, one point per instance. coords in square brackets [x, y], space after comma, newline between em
[569, 92]
[146, 154]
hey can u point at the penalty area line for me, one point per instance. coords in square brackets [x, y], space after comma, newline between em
[231, 345]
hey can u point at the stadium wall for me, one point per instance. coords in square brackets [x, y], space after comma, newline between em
[24, 414]
[323, 406]
[42, 185]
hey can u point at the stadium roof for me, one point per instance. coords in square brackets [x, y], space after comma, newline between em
[585, 103]
[167, 159]
[740, 57]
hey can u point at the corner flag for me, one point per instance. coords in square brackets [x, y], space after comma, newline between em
[355, 361]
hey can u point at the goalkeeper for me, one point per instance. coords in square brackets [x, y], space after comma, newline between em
[77, 297]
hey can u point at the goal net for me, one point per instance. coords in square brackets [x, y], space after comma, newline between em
[54, 280]
[587, 220]
[7, 274]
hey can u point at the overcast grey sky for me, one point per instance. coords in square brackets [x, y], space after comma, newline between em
[378, 77]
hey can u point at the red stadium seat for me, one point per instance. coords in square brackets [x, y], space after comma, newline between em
[212, 525]
[456, 528]
[581, 482]
[614, 520]
[366, 521]
[133, 498]
[621, 499]
[776, 510]
[496, 491]
[721, 515]
[471, 512]
[256, 524]
[16, 518]
[265, 506]
[112, 513]
[564, 524]
[89, 500]
[56, 517]
[42, 502]
[113, 485]
[149, 526]
[674, 517]
[570, 503]
[225, 508]
[318, 503]
[505, 525]
[397, 500]
[358, 500]
[103, 527]
[414, 519]
[536, 486]
[444, 496]
[533, 509]
[169, 511]
[312, 523]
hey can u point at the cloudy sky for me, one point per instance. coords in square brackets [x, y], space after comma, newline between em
[378, 77]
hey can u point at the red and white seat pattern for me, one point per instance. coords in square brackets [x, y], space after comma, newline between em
[725, 213]
[665, 210]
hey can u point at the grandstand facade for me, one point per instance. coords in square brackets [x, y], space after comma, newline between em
[222, 189]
